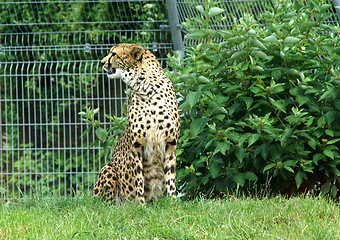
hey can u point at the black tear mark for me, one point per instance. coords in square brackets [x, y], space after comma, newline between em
[136, 144]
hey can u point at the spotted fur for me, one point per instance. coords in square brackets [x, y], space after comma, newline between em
[143, 165]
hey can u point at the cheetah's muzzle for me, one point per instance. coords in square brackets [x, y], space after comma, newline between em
[109, 70]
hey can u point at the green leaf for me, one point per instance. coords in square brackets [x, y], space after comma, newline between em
[276, 74]
[263, 150]
[197, 126]
[253, 138]
[109, 117]
[293, 71]
[324, 7]
[329, 153]
[330, 116]
[248, 100]
[260, 54]
[200, 9]
[291, 40]
[233, 108]
[279, 104]
[220, 117]
[95, 111]
[87, 121]
[214, 170]
[214, 11]
[83, 114]
[239, 55]
[333, 141]
[179, 152]
[230, 88]
[289, 163]
[2, 190]
[334, 190]
[184, 107]
[222, 147]
[193, 98]
[286, 135]
[252, 32]
[299, 178]
[202, 67]
[212, 57]
[269, 166]
[243, 138]
[317, 157]
[108, 146]
[302, 100]
[271, 39]
[203, 79]
[329, 132]
[318, 133]
[240, 153]
[295, 91]
[257, 43]
[216, 108]
[312, 143]
[195, 35]
[251, 176]
[288, 169]
[325, 188]
[327, 94]
[310, 121]
[237, 39]
[239, 178]
[101, 134]
[86, 131]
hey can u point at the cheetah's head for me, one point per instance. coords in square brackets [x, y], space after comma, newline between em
[123, 61]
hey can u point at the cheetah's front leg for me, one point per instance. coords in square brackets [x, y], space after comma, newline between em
[136, 184]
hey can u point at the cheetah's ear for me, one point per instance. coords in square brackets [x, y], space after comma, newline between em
[137, 52]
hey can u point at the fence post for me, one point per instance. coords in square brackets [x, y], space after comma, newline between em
[175, 27]
[336, 4]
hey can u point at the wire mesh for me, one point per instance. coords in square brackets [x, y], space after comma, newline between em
[50, 70]
[235, 9]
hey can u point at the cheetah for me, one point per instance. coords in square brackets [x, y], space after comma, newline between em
[143, 164]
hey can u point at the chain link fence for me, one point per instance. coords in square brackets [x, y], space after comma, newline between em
[50, 70]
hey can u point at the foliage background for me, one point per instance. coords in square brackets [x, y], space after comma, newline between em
[260, 102]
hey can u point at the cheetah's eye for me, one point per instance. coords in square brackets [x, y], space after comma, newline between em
[113, 54]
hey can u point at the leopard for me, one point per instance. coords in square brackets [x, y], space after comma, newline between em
[143, 163]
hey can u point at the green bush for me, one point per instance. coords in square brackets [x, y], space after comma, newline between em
[260, 103]
[106, 137]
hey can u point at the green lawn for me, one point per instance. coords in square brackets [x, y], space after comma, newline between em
[229, 218]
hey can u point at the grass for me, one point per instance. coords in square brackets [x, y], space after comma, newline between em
[229, 218]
